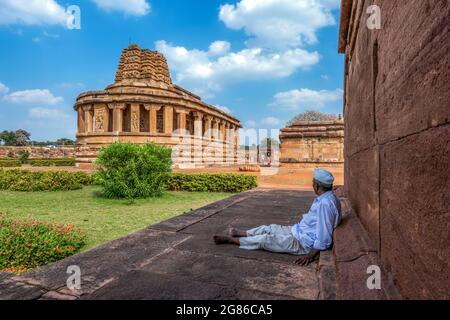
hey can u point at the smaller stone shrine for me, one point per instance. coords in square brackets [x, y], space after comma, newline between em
[312, 143]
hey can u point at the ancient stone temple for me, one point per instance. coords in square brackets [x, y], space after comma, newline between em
[143, 105]
[312, 143]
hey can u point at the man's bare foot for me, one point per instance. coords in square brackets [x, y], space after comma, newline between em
[234, 232]
[225, 240]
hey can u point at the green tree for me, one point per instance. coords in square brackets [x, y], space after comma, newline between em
[313, 116]
[24, 155]
[269, 143]
[65, 142]
[22, 137]
[130, 170]
[8, 138]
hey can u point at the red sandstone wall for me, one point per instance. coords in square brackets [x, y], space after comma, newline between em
[40, 152]
[397, 146]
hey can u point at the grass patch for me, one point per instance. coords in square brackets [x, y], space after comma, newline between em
[101, 219]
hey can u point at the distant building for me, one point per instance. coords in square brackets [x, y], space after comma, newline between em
[312, 143]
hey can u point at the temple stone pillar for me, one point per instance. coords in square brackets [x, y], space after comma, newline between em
[135, 118]
[198, 125]
[215, 129]
[153, 119]
[168, 120]
[230, 143]
[237, 143]
[88, 118]
[198, 141]
[226, 146]
[222, 130]
[182, 118]
[219, 129]
[118, 117]
[208, 133]
[81, 123]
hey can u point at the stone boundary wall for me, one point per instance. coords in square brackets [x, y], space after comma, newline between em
[397, 133]
[40, 152]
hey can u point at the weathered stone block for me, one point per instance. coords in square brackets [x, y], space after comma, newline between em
[362, 183]
[415, 216]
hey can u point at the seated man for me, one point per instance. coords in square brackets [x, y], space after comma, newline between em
[307, 238]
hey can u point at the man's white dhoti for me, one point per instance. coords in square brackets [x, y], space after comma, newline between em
[274, 238]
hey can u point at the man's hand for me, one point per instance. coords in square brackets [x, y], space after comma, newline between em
[307, 258]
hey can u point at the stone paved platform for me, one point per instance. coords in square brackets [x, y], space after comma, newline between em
[177, 259]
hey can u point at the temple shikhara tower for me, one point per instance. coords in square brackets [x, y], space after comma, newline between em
[143, 105]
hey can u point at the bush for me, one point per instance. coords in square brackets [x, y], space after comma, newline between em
[52, 162]
[25, 180]
[24, 246]
[10, 163]
[130, 170]
[24, 155]
[226, 182]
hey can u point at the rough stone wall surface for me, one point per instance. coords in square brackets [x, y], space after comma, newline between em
[397, 146]
[312, 142]
[40, 152]
[312, 150]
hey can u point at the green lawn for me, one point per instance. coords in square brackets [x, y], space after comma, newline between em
[101, 219]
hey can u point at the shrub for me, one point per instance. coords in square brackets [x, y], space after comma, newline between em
[226, 182]
[10, 163]
[24, 246]
[130, 170]
[25, 180]
[24, 155]
[52, 162]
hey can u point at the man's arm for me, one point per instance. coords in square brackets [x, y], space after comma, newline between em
[324, 235]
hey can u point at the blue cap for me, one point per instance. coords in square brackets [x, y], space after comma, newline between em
[323, 176]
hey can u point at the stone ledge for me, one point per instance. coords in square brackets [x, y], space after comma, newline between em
[354, 253]
[326, 272]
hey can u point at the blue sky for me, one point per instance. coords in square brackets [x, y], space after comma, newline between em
[262, 60]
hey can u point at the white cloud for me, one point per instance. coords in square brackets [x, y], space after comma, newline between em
[219, 48]
[279, 23]
[43, 113]
[271, 121]
[3, 88]
[306, 98]
[204, 72]
[32, 12]
[129, 7]
[278, 31]
[34, 96]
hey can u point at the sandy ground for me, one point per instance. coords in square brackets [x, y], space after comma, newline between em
[278, 178]
[274, 178]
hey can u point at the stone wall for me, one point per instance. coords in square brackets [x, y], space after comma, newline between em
[315, 142]
[397, 147]
[40, 152]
